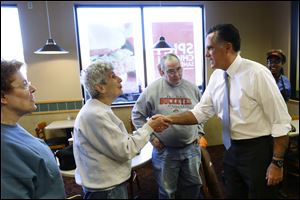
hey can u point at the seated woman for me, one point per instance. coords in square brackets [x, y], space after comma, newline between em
[275, 62]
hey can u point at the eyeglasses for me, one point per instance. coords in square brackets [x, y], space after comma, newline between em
[172, 72]
[26, 85]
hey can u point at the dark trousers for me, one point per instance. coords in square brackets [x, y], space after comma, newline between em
[245, 168]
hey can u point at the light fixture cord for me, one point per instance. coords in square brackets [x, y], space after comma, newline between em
[160, 7]
[48, 20]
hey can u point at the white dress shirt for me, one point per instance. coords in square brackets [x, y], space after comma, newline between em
[256, 105]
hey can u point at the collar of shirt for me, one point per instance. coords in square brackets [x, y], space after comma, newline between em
[233, 68]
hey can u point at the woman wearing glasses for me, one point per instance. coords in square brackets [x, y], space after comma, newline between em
[28, 167]
[275, 62]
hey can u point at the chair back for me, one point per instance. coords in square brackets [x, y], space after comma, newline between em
[40, 130]
[53, 143]
[211, 187]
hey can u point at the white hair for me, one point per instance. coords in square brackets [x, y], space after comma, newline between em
[95, 74]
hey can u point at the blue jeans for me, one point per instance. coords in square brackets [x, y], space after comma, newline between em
[176, 171]
[118, 192]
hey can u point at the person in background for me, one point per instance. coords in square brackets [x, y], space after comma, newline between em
[102, 147]
[28, 166]
[176, 155]
[275, 61]
[258, 117]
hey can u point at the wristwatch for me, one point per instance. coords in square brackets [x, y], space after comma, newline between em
[278, 163]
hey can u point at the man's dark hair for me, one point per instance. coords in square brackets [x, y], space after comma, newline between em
[227, 33]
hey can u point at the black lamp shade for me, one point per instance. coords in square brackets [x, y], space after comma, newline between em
[162, 44]
[51, 48]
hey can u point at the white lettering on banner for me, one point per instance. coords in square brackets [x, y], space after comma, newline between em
[184, 48]
[187, 61]
[185, 52]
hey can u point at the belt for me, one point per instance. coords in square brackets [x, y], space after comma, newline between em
[194, 142]
[251, 141]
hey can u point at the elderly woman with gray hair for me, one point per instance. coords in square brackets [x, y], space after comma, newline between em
[102, 147]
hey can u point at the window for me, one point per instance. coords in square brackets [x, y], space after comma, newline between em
[125, 36]
[11, 40]
[182, 27]
[114, 35]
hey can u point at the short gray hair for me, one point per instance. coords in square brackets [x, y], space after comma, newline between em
[169, 56]
[95, 74]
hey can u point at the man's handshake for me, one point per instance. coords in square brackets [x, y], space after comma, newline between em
[159, 122]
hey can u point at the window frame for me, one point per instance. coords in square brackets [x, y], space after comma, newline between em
[142, 6]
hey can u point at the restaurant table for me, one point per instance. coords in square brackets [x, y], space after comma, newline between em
[62, 124]
[295, 123]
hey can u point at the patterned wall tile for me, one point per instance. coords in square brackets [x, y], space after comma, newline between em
[48, 107]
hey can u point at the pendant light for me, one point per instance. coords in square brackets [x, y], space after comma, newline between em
[51, 47]
[162, 44]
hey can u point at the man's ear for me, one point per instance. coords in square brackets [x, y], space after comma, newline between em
[161, 72]
[228, 47]
[3, 98]
[100, 88]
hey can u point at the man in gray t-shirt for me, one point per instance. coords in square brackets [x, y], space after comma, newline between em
[176, 154]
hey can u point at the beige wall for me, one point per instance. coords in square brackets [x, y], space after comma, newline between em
[263, 25]
[29, 121]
